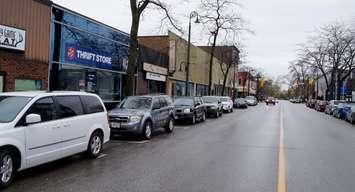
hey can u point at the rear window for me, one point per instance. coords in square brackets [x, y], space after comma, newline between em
[69, 106]
[92, 104]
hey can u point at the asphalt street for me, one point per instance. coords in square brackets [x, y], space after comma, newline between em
[237, 152]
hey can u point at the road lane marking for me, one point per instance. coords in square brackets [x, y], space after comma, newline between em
[281, 182]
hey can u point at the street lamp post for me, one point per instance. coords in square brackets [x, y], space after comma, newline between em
[192, 14]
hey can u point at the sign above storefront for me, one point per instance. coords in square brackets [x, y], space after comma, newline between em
[155, 77]
[155, 69]
[12, 38]
[88, 57]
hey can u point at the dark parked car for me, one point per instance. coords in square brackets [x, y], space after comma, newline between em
[190, 109]
[311, 103]
[214, 105]
[240, 103]
[350, 113]
[142, 115]
[329, 109]
[339, 111]
[320, 105]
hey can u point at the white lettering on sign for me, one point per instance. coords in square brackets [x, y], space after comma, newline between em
[12, 38]
[93, 57]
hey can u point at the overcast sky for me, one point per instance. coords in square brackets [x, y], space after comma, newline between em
[279, 25]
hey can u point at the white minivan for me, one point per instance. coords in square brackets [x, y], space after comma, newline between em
[39, 127]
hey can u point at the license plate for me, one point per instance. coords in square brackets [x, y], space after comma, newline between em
[115, 125]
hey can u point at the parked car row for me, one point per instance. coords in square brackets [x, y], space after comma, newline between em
[39, 127]
[338, 108]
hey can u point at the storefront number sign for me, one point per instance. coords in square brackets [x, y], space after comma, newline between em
[88, 57]
[12, 38]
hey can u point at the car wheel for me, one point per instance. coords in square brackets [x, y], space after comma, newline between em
[147, 130]
[7, 168]
[193, 119]
[203, 116]
[217, 114]
[95, 145]
[170, 126]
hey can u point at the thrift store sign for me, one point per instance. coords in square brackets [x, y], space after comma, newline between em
[88, 57]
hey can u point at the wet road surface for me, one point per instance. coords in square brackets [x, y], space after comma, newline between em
[237, 152]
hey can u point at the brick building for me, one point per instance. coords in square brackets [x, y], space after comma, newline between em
[24, 44]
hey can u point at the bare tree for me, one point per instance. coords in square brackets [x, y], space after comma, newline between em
[138, 7]
[331, 52]
[229, 57]
[220, 18]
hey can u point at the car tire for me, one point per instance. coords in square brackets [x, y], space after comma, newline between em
[217, 114]
[147, 130]
[7, 162]
[203, 117]
[169, 128]
[95, 145]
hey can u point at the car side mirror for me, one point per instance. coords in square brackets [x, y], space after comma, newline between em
[219, 102]
[33, 118]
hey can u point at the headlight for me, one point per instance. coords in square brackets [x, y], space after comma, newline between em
[187, 110]
[135, 118]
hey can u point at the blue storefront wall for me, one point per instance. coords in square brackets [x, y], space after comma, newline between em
[87, 55]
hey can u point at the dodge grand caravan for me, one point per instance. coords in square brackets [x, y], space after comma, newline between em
[39, 127]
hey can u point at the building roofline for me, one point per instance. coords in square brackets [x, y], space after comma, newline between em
[45, 2]
[152, 36]
[84, 16]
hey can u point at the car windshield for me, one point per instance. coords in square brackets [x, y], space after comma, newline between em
[10, 106]
[136, 103]
[184, 101]
[210, 99]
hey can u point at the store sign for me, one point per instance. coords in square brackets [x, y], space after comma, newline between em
[88, 57]
[155, 69]
[12, 38]
[155, 77]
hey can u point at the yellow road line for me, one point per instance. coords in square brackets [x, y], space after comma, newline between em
[281, 182]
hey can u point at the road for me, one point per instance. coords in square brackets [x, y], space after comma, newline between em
[242, 151]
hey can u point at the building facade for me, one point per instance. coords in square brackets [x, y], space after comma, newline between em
[87, 55]
[152, 71]
[176, 47]
[247, 84]
[24, 44]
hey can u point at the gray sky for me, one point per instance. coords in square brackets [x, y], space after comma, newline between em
[279, 24]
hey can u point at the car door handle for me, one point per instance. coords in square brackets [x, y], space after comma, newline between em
[66, 125]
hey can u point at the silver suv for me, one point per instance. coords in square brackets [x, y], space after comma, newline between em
[142, 114]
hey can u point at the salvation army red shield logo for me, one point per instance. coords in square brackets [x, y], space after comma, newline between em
[71, 53]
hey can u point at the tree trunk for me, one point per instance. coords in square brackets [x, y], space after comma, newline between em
[211, 63]
[133, 52]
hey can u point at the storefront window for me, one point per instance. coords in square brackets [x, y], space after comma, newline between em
[156, 86]
[201, 90]
[178, 88]
[191, 89]
[27, 85]
[103, 83]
